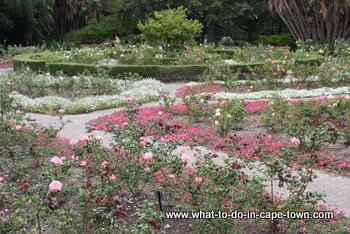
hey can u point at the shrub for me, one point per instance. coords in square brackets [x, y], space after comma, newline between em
[277, 40]
[171, 27]
[228, 115]
[95, 32]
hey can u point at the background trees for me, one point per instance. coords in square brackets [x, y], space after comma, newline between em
[316, 20]
[31, 21]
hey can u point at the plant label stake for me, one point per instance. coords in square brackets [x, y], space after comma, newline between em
[159, 196]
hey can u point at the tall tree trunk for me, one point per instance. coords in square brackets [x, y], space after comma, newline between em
[211, 33]
[250, 32]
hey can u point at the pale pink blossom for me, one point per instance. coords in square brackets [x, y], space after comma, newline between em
[61, 111]
[73, 142]
[296, 166]
[56, 186]
[104, 164]
[183, 149]
[160, 113]
[18, 112]
[127, 99]
[185, 158]
[198, 179]
[57, 161]
[295, 141]
[99, 138]
[147, 156]
[83, 163]
[18, 127]
[171, 176]
[112, 177]
[143, 141]
[333, 221]
[84, 139]
[1, 178]
[75, 158]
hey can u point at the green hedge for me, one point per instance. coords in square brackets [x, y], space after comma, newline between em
[277, 40]
[160, 72]
[26, 60]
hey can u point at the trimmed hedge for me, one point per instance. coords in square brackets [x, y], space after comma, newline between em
[161, 72]
[27, 60]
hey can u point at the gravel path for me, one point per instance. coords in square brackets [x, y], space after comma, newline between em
[337, 188]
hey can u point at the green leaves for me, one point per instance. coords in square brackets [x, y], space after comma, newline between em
[170, 28]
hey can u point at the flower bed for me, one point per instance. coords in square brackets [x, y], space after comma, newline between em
[146, 61]
[44, 93]
[51, 185]
[207, 133]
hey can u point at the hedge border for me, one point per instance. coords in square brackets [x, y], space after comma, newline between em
[161, 72]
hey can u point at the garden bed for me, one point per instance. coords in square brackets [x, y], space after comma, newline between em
[182, 71]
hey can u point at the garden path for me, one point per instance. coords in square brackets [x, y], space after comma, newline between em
[336, 188]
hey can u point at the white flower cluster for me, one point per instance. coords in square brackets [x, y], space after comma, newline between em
[141, 91]
[286, 93]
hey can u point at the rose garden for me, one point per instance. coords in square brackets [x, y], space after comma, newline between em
[111, 137]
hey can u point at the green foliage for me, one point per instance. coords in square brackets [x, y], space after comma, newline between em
[228, 115]
[277, 40]
[170, 28]
[31, 19]
[317, 125]
[97, 31]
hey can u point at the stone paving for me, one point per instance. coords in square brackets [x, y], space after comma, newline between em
[336, 188]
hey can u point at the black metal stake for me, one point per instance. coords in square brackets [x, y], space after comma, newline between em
[159, 196]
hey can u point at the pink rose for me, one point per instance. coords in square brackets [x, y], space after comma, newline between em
[296, 166]
[83, 163]
[198, 179]
[84, 139]
[295, 141]
[185, 158]
[99, 138]
[57, 161]
[18, 127]
[183, 149]
[55, 186]
[147, 156]
[74, 158]
[143, 141]
[104, 164]
[73, 142]
[127, 99]
[112, 177]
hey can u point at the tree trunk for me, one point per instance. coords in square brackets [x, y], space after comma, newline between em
[250, 31]
[331, 47]
[211, 33]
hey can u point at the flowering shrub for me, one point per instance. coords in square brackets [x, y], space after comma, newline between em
[197, 105]
[316, 126]
[227, 115]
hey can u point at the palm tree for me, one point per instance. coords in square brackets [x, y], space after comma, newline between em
[316, 20]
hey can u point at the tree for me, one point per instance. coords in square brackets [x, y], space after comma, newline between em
[25, 21]
[170, 27]
[316, 20]
[248, 14]
[74, 14]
